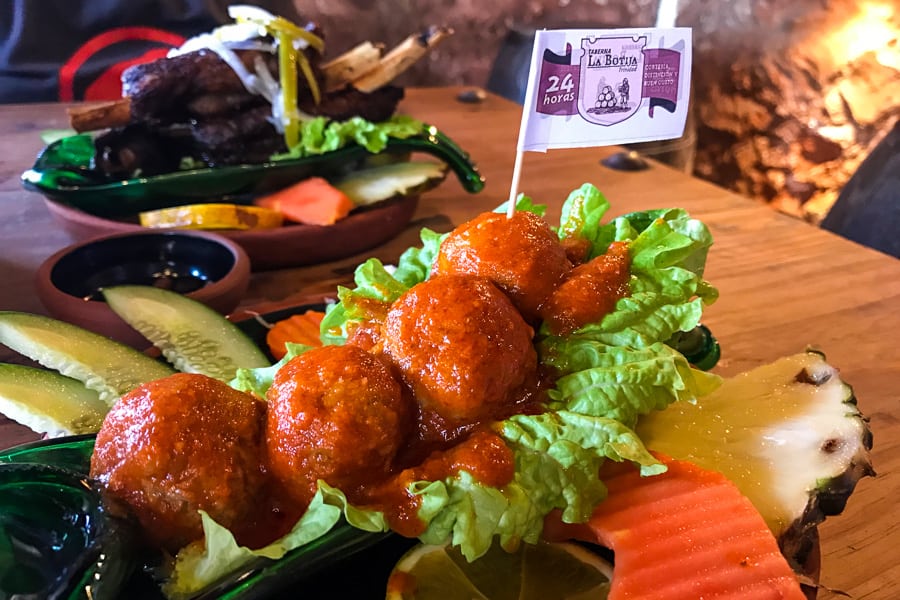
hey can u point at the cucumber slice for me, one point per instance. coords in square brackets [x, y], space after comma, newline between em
[376, 184]
[192, 336]
[103, 365]
[48, 402]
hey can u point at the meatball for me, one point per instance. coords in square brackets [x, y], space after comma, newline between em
[180, 444]
[335, 413]
[589, 292]
[462, 347]
[521, 255]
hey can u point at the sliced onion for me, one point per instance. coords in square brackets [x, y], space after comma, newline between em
[252, 23]
[274, 25]
[269, 88]
[256, 44]
[229, 35]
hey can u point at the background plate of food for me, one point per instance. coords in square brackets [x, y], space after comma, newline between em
[219, 136]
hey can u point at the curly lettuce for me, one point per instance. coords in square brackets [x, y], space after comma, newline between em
[320, 135]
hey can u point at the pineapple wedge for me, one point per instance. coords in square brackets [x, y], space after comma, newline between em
[788, 434]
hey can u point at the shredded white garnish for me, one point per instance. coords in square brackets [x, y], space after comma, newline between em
[256, 44]
[277, 119]
[220, 41]
[228, 35]
[256, 14]
[245, 35]
[268, 85]
[249, 12]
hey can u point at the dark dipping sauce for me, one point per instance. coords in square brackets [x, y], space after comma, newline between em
[177, 261]
[182, 279]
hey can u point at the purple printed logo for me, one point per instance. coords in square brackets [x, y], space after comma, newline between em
[611, 71]
[610, 80]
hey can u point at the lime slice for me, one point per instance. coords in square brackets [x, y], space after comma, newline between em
[212, 216]
[533, 572]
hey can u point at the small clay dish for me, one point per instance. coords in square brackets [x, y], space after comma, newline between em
[204, 266]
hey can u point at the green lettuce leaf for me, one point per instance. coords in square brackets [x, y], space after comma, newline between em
[582, 215]
[199, 564]
[320, 135]
[668, 252]
[376, 282]
[524, 203]
[257, 381]
[622, 383]
[557, 455]
[218, 554]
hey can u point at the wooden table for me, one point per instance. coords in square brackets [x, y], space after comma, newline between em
[784, 285]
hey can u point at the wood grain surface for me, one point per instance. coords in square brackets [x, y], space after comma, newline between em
[785, 285]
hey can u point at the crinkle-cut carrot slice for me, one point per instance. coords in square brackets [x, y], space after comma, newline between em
[686, 534]
[299, 329]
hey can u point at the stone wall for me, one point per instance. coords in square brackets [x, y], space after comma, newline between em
[790, 107]
[790, 96]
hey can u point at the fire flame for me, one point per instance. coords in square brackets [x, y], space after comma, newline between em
[871, 30]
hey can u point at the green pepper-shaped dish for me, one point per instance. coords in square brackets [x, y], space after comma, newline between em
[64, 173]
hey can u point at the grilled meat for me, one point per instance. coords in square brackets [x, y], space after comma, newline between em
[194, 105]
[211, 105]
[217, 109]
[137, 148]
[167, 89]
[223, 136]
[373, 106]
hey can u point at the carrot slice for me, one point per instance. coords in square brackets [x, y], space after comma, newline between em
[299, 329]
[686, 534]
[312, 201]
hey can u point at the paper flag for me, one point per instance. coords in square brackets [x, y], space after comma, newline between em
[598, 87]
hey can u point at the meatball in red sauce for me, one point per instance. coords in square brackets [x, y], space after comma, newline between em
[521, 255]
[589, 292]
[180, 444]
[335, 413]
[463, 349]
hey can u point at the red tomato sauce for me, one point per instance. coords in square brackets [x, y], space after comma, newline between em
[590, 291]
[483, 454]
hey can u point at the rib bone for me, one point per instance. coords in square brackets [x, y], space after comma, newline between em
[351, 65]
[401, 58]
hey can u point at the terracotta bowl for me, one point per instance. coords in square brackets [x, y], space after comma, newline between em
[288, 246]
[204, 266]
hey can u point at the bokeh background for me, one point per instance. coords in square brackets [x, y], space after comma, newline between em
[789, 97]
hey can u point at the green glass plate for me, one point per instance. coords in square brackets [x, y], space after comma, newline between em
[63, 173]
[53, 500]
